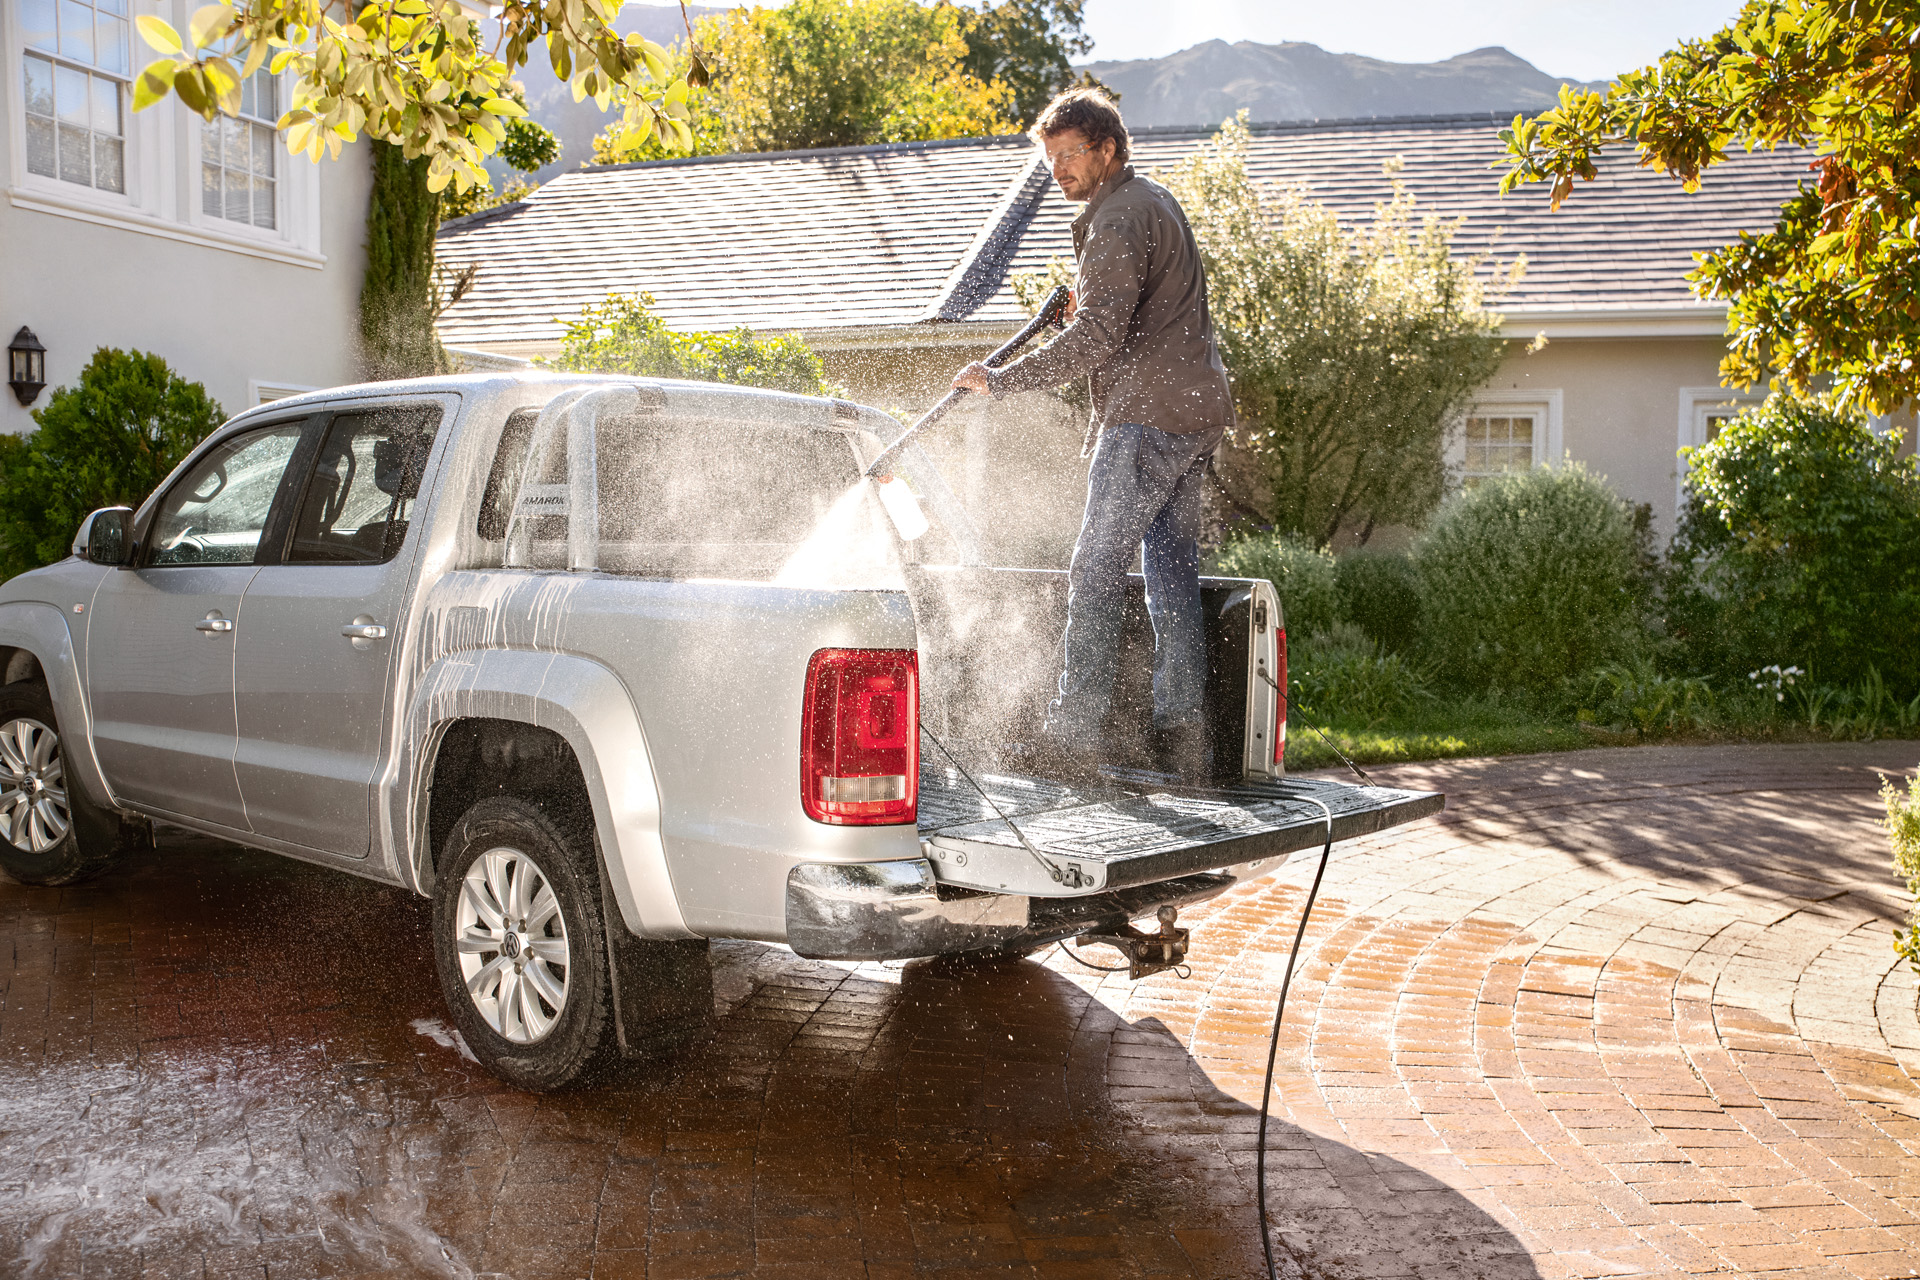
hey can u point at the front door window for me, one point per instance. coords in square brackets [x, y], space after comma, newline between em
[218, 512]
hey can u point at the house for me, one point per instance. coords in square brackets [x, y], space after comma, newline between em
[205, 244]
[894, 261]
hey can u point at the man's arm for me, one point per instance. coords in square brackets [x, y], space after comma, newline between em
[1113, 275]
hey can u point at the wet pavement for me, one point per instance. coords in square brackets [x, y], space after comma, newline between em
[1615, 1013]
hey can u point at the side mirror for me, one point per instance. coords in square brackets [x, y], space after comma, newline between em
[106, 536]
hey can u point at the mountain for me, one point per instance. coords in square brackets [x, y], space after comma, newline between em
[1294, 81]
[550, 101]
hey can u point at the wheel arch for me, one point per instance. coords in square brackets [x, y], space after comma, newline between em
[516, 706]
[36, 642]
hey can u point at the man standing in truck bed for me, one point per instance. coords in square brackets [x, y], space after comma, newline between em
[1142, 336]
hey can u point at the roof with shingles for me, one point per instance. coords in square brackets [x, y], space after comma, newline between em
[919, 233]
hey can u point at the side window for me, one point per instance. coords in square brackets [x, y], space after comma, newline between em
[503, 480]
[365, 479]
[217, 511]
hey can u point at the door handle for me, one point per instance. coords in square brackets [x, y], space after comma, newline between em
[212, 623]
[364, 631]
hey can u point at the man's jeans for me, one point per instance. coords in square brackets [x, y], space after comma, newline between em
[1143, 493]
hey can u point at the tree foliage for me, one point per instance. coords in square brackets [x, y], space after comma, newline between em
[1028, 45]
[623, 335]
[530, 145]
[1350, 350]
[397, 339]
[1800, 545]
[413, 73]
[835, 73]
[1834, 287]
[107, 441]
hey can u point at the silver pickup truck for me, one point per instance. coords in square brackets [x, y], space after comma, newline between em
[608, 668]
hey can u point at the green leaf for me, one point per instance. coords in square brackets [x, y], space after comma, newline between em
[192, 89]
[154, 83]
[209, 23]
[158, 33]
[503, 107]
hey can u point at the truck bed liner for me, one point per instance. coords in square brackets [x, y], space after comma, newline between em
[1139, 829]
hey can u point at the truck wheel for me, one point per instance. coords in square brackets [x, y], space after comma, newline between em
[520, 943]
[49, 834]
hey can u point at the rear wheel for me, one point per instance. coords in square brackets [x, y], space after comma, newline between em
[50, 832]
[519, 940]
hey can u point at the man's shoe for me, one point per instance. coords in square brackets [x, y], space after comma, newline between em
[1187, 753]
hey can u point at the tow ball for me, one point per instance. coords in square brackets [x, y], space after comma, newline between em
[1146, 953]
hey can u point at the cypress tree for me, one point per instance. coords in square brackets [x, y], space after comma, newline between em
[396, 299]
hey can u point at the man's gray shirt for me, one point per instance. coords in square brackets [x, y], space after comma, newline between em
[1141, 333]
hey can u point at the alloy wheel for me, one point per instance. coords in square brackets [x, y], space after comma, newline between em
[512, 941]
[33, 786]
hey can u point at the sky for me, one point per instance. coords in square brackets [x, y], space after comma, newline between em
[1582, 39]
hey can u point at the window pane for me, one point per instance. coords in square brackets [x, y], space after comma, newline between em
[40, 148]
[106, 106]
[76, 31]
[111, 6]
[39, 86]
[210, 143]
[263, 202]
[110, 43]
[361, 492]
[210, 190]
[215, 515]
[109, 165]
[238, 202]
[76, 154]
[263, 151]
[70, 94]
[36, 23]
[233, 143]
[267, 95]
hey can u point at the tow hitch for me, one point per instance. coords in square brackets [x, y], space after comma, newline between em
[1146, 953]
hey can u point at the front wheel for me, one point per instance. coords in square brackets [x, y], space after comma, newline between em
[518, 938]
[50, 832]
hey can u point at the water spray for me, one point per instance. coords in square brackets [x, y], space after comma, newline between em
[881, 470]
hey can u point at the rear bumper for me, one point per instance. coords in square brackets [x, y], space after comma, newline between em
[897, 911]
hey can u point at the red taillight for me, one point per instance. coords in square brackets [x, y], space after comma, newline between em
[860, 737]
[1280, 697]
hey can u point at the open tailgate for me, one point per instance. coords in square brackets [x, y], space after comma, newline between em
[1135, 828]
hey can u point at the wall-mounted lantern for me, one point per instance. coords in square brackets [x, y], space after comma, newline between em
[26, 365]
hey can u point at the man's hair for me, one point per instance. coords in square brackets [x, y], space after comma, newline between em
[1089, 111]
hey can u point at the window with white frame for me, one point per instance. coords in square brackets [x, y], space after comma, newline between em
[77, 62]
[1498, 440]
[237, 157]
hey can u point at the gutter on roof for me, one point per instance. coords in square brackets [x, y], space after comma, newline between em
[1611, 320]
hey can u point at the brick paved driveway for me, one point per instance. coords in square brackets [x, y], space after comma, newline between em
[1617, 1012]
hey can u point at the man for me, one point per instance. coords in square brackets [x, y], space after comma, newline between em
[1141, 334]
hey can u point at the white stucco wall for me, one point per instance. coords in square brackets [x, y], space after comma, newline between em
[150, 273]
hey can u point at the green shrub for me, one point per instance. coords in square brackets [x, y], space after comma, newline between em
[1302, 575]
[624, 336]
[1903, 829]
[1529, 580]
[1801, 545]
[1340, 676]
[1380, 594]
[107, 441]
[1638, 695]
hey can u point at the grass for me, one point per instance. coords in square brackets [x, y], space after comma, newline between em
[1486, 727]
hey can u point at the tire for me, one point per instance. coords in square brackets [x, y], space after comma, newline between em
[527, 986]
[51, 834]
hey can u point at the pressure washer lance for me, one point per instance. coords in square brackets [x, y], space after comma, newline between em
[1050, 312]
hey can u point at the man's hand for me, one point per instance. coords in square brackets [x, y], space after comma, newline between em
[1073, 305]
[972, 378]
